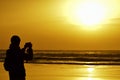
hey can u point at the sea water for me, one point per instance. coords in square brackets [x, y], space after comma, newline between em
[85, 57]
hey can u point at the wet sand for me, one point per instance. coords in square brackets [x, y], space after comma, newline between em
[67, 72]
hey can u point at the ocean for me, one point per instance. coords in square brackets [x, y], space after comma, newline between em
[70, 65]
[83, 57]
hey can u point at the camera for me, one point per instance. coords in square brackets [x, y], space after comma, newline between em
[28, 44]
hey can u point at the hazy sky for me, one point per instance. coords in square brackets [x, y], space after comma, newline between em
[43, 23]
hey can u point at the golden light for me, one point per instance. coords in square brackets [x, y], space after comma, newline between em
[87, 13]
[90, 69]
[90, 78]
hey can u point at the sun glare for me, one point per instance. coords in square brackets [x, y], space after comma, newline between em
[88, 13]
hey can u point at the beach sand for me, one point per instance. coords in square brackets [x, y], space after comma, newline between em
[67, 72]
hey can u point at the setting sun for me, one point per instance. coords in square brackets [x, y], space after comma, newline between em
[62, 24]
[87, 13]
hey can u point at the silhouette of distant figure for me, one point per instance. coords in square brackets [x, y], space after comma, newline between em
[14, 61]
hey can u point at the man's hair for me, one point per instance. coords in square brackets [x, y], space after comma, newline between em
[15, 39]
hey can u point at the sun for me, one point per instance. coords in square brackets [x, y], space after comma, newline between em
[87, 13]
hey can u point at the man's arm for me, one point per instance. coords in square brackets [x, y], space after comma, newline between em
[28, 51]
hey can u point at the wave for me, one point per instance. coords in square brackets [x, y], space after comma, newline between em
[74, 57]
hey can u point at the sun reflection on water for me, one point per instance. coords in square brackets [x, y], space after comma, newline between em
[90, 74]
[90, 78]
[90, 70]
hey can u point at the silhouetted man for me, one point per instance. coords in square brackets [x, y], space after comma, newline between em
[14, 61]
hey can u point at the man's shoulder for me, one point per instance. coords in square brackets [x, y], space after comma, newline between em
[8, 50]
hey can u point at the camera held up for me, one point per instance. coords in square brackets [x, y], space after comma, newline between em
[28, 45]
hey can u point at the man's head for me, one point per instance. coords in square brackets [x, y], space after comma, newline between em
[15, 40]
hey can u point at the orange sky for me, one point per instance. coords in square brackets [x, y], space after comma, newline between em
[42, 23]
